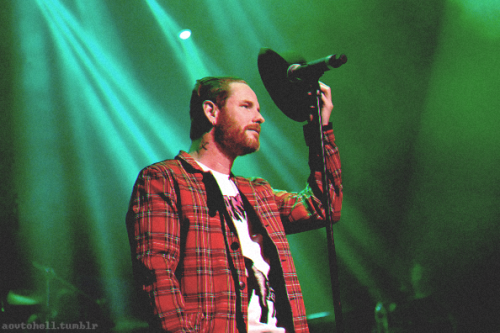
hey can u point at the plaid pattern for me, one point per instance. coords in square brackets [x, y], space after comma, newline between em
[186, 252]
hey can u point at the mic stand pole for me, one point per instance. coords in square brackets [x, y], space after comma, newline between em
[332, 255]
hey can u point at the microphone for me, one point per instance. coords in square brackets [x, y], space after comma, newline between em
[313, 70]
[292, 98]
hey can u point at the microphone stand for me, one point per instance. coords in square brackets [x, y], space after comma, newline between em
[288, 96]
[332, 255]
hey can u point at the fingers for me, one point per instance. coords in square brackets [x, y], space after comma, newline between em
[326, 90]
[326, 95]
[326, 103]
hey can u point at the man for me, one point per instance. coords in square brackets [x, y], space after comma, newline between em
[209, 248]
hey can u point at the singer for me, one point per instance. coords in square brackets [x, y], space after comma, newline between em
[209, 248]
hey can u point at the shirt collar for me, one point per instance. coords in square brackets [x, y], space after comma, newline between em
[184, 156]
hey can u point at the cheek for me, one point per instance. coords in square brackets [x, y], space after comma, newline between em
[229, 130]
[232, 125]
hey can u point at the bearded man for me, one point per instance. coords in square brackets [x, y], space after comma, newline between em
[209, 249]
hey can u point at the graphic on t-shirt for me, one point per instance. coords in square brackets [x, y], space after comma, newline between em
[261, 310]
[264, 292]
[235, 207]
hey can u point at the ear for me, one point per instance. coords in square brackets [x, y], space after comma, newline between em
[211, 111]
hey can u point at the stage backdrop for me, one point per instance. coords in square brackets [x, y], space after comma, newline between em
[94, 90]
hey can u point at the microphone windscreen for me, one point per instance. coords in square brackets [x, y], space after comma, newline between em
[290, 97]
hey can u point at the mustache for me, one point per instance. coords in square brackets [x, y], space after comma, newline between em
[253, 127]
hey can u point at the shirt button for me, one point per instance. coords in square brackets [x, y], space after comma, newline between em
[242, 285]
[235, 246]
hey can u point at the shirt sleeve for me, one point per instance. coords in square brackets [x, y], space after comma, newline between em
[307, 205]
[155, 233]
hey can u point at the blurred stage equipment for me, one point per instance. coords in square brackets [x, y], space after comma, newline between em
[23, 297]
[60, 301]
[381, 318]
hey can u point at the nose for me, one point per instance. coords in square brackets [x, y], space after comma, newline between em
[259, 118]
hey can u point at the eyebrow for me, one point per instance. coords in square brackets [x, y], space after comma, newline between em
[245, 101]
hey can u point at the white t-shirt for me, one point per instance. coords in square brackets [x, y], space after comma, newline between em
[260, 318]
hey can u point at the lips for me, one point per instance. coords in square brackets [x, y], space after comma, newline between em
[255, 128]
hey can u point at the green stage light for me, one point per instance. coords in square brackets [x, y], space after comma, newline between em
[187, 54]
[185, 34]
[482, 15]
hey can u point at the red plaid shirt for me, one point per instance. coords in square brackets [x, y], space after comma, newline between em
[186, 252]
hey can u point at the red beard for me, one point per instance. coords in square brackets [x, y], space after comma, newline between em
[235, 140]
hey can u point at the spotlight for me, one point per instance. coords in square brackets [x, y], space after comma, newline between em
[185, 34]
